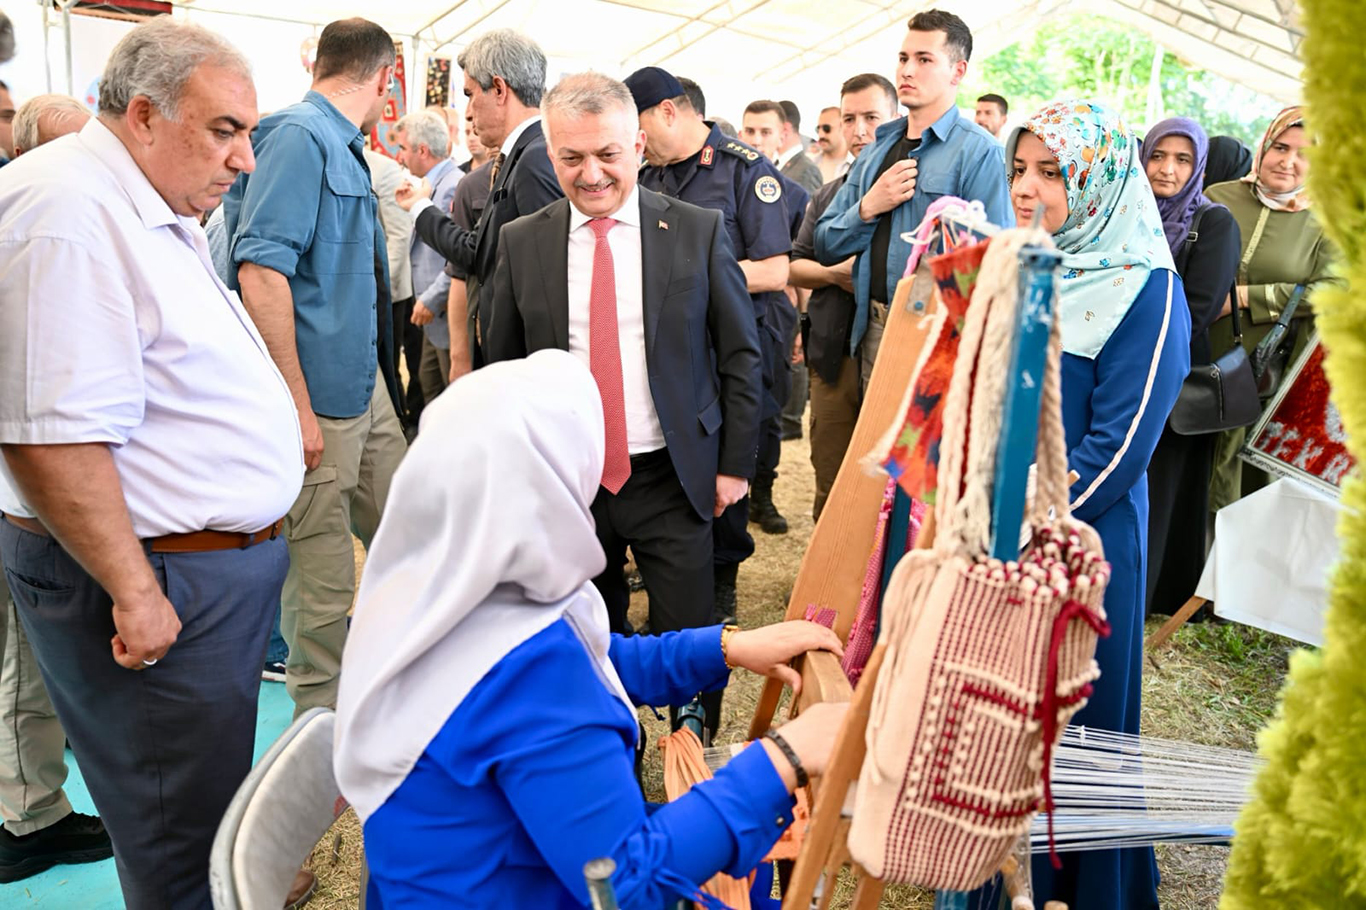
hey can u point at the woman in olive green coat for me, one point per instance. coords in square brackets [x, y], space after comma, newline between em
[1283, 246]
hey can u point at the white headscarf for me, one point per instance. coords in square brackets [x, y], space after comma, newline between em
[487, 539]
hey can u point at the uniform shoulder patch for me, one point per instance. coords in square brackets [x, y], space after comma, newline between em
[768, 189]
[740, 150]
[708, 155]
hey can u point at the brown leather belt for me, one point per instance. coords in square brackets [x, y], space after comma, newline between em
[193, 542]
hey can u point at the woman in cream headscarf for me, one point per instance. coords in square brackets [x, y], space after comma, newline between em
[1125, 337]
[1283, 246]
[486, 723]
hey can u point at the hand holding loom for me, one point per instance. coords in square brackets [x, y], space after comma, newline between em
[812, 736]
[768, 650]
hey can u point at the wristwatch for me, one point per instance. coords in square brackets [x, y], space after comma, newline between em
[726, 633]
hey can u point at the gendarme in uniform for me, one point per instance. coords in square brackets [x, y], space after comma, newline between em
[728, 175]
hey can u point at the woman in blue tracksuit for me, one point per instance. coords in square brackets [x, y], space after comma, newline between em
[486, 723]
[1126, 337]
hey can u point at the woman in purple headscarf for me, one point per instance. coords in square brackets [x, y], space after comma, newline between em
[1204, 241]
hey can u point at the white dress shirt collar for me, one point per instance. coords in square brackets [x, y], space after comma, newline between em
[151, 208]
[785, 157]
[517, 131]
[629, 213]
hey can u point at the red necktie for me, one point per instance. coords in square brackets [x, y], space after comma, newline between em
[604, 358]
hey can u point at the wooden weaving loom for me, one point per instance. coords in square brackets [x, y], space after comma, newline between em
[832, 572]
[1125, 790]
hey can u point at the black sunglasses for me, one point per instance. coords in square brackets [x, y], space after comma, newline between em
[825, 128]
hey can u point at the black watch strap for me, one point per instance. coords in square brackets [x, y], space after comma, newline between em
[791, 755]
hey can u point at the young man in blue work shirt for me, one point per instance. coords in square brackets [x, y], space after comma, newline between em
[931, 152]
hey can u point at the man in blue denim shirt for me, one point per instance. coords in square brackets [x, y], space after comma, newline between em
[930, 153]
[313, 272]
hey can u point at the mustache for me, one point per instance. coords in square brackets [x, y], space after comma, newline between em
[600, 185]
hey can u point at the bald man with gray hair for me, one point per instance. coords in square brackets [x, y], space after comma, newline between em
[44, 118]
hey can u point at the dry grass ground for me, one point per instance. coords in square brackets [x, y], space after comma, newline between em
[1213, 684]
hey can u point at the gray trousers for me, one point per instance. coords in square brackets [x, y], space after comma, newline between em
[32, 742]
[163, 749]
[435, 369]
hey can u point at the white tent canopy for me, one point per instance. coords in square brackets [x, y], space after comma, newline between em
[738, 50]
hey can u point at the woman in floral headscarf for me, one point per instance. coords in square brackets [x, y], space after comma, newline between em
[1125, 337]
[1283, 246]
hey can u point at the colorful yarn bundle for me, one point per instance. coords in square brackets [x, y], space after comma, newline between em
[911, 455]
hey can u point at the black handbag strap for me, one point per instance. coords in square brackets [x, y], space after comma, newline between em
[1233, 311]
[1188, 244]
[1288, 313]
[1194, 233]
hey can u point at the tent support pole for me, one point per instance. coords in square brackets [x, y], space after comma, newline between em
[66, 31]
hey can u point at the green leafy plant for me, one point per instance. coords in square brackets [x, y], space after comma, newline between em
[1301, 841]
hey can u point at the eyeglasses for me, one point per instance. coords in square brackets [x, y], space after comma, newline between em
[825, 128]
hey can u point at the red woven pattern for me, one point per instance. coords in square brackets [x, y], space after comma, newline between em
[914, 456]
[1012, 662]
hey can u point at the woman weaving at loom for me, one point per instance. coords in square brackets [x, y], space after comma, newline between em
[486, 726]
[1125, 337]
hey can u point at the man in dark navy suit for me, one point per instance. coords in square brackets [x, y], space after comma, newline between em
[646, 291]
[504, 80]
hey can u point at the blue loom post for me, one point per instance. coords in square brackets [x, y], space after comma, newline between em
[1019, 428]
[898, 530]
[1020, 420]
[951, 900]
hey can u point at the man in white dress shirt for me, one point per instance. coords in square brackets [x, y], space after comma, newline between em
[150, 448]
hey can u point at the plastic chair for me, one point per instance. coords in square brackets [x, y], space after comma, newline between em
[281, 811]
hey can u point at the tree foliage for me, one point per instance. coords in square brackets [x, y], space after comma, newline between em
[1086, 56]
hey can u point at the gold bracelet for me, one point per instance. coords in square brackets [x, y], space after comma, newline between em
[726, 633]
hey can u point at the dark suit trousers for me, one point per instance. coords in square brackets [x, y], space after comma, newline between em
[408, 348]
[163, 749]
[672, 547]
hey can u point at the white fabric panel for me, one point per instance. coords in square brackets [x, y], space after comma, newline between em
[1272, 554]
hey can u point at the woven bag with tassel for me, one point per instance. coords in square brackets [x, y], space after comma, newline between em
[986, 661]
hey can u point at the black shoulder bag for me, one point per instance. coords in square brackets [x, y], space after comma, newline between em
[1221, 395]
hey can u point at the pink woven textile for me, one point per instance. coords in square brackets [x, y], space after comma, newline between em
[859, 647]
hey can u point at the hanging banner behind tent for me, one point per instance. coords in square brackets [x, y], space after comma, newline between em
[438, 82]
[382, 136]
